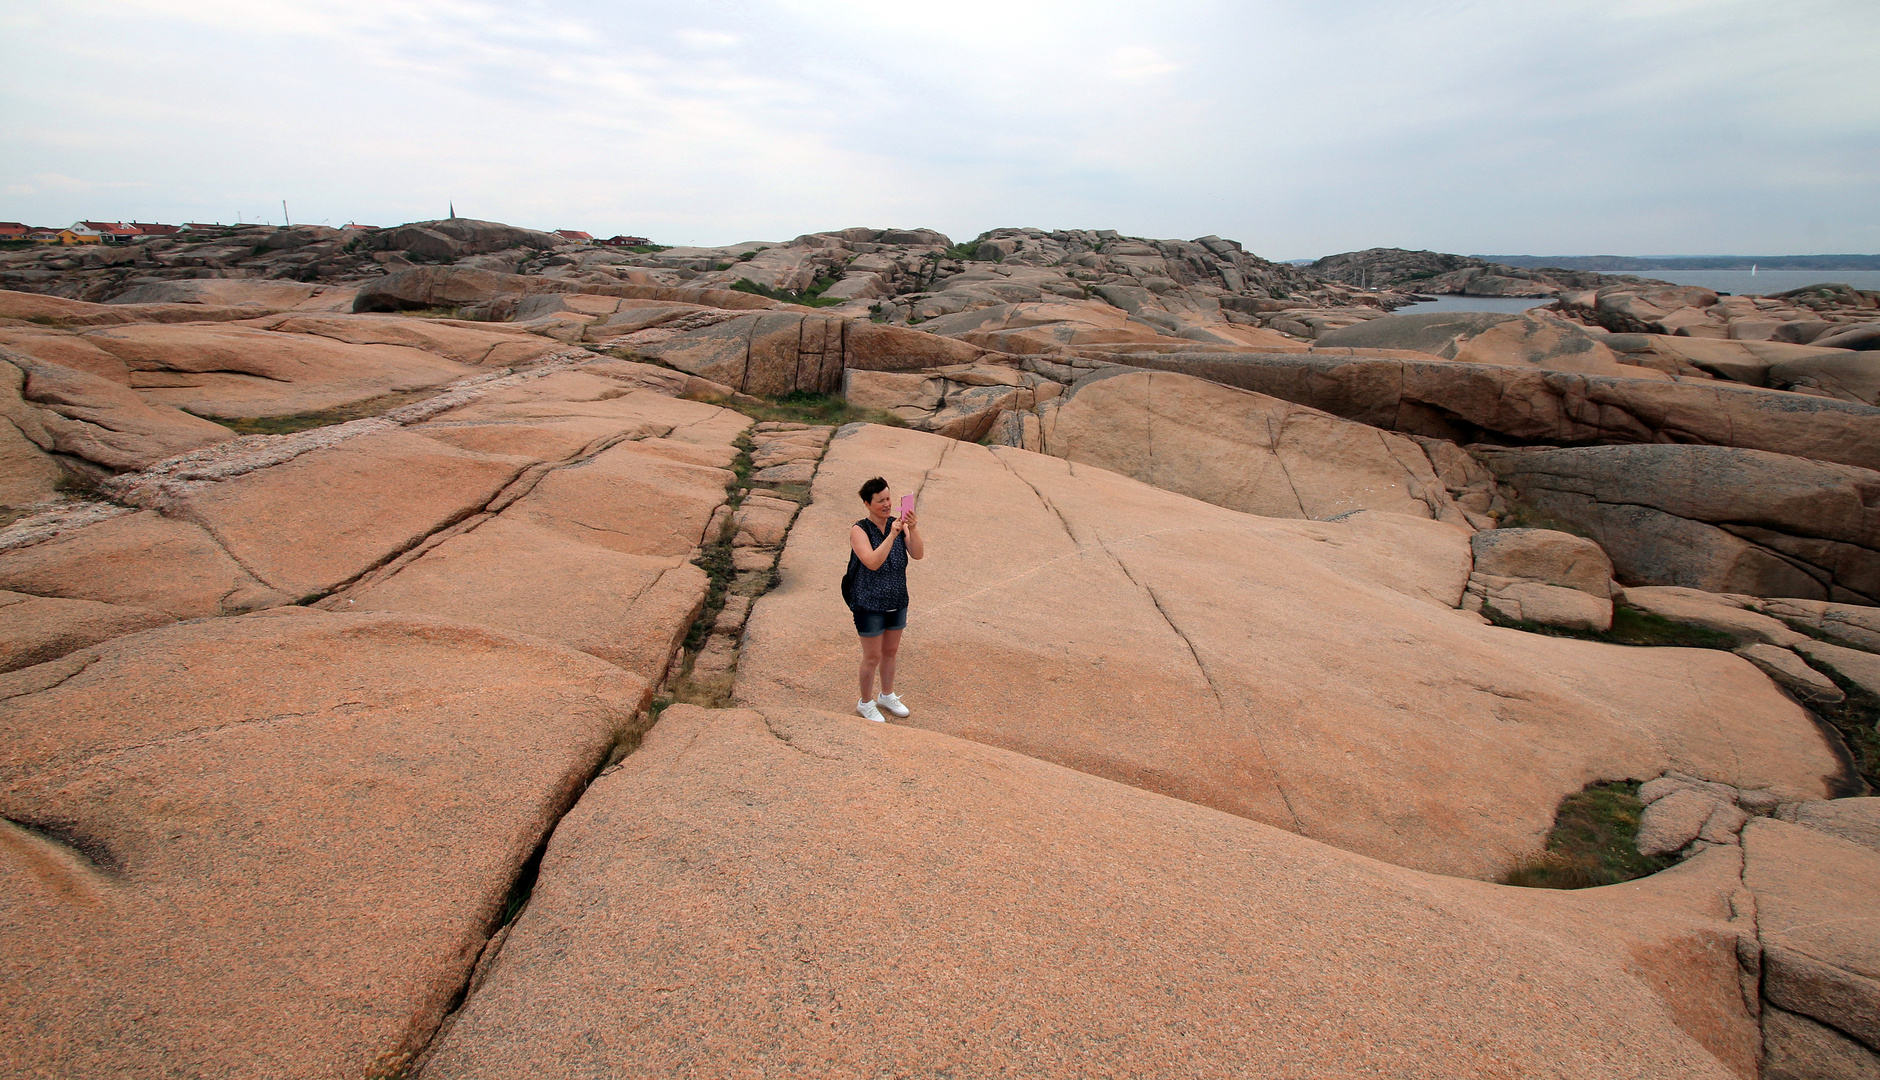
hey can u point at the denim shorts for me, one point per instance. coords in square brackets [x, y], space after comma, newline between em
[876, 623]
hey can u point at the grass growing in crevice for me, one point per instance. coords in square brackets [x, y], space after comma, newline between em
[1630, 626]
[810, 297]
[307, 421]
[804, 407]
[1858, 720]
[1594, 842]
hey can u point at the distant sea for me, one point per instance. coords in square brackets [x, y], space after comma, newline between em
[1474, 303]
[1762, 282]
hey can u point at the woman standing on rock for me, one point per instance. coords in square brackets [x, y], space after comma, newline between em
[876, 591]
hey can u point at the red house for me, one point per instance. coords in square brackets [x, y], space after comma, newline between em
[626, 241]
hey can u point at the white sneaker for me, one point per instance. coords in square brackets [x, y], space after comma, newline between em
[869, 712]
[892, 703]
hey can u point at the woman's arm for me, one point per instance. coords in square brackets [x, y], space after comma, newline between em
[872, 557]
[915, 549]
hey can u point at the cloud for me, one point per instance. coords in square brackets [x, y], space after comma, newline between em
[707, 39]
[1137, 64]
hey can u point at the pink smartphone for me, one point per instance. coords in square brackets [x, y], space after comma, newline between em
[907, 505]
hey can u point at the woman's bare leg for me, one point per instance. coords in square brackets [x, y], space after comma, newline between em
[890, 647]
[871, 660]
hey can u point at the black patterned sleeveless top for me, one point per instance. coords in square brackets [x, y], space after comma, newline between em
[884, 589]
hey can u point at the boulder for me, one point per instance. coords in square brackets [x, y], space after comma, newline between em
[1546, 556]
[1848, 376]
[35, 629]
[232, 372]
[1463, 403]
[64, 411]
[1485, 338]
[1672, 822]
[769, 354]
[874, 346]
[1250, 664]
[454, 238]
[275, 845]
[1242, 450]
[1527, 601]
[740, 846]
[1712, 518]
[1819, 922]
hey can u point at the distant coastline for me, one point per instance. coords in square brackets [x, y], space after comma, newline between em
[1628, 264]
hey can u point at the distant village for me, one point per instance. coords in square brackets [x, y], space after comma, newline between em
[120, 232]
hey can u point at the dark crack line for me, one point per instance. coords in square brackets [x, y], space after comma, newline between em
[1220, 702]
[791, 743]
[1063, 523]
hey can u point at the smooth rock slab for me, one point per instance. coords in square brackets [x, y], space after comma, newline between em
[795, 893]
[274, 845]
[36, 629]
[1311, 675]
[143, 560]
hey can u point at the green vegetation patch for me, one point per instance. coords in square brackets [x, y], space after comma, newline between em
[803, 407]
[1858, 721]
[962, 252]
[1630, 626]
[287, 425]
[1594, 842]
[810, 297]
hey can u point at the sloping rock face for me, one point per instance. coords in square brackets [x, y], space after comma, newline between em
[1467, 403]
[1253, 665]
[878, 878]
[77, 415]
[1485, 338]
[284, 860]
[1241, 450]
[779, 352]
[1713, 518]
[1820, 942]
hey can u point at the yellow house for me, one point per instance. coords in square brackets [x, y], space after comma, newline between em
[68, 236]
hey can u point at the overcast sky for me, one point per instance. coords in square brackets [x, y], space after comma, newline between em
[1299, 127]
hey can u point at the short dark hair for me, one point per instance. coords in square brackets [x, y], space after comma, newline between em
[873, 488]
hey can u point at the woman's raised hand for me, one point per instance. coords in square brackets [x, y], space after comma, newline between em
[910, 520]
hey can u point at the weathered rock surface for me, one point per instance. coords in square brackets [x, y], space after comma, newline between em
[590, 546]
[35, 629]
[1487, 338]
[232, 371]
[1242, 450]
[1714, 518]
[1250, 664]
[1672, 822]
[1466, 403]
[284, 858]
[1818, 915]
[231, 292]
[143, 560]
[873, 879]
[1724, 614]
[59, 410]
[1797, 1048]
[1857, 667]
[1544, 555]
[1853, 625]
[1855, 820]
[1792, 673]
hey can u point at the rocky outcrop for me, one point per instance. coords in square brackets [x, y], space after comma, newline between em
[1714, 518]
[1467, 403]
[1247, 663]
[83, 418]
[1241, 450]
[1486, 338]
[954, 850]
[779, 352]
[1814, 314]
[1541, 576]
